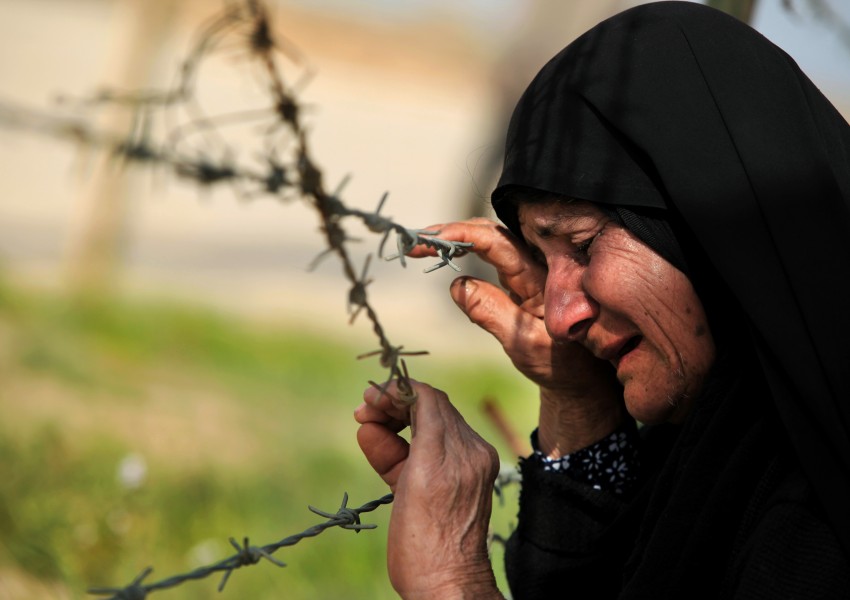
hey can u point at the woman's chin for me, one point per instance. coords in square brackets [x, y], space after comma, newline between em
[647, 407]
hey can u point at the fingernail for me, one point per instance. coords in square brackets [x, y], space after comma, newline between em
[469, 286]
[372, 393]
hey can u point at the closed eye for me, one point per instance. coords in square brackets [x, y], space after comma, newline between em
[537, 256]
[581, 253]
[583, 248]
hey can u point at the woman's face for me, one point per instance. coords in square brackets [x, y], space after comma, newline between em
[613, 294]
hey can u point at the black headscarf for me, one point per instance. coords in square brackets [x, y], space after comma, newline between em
[676, 109]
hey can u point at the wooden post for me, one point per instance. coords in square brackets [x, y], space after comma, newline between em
[98, 227]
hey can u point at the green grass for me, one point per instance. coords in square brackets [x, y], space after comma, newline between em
[240, 428]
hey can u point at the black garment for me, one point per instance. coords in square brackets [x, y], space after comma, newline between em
[677, 111]
[612, 464]
[753, 526]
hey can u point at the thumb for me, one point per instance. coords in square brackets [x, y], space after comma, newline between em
[385, 450]
[489, 307]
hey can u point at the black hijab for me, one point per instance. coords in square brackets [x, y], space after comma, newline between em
[676, 109]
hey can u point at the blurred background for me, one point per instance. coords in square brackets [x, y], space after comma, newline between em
[171, 372]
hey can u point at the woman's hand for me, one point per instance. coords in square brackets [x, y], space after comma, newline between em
[581, 401]
[443, 486]
[514, 314]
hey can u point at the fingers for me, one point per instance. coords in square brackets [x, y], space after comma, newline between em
[472, 230]
[366, 413]
[381, 419]
[385, 451]
[518, 271]
[385, 401]
[446, 447]
[443, 497]
[491, 309]
[442, 434]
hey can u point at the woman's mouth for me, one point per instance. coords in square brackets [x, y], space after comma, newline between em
[615, 352]
[630, 345]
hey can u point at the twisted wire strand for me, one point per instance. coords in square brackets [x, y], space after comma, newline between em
[246, 554]
[248, 22]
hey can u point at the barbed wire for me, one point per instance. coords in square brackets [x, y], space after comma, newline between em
[249, 24]
[508, 476]
[158, 137]
[246, 554]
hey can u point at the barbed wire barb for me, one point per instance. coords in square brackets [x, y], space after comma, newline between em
[350, 517]
[357, 299]
[246, 554]
[194, 148]
[134, 591]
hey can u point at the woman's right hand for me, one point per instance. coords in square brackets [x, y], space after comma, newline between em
[514, 314]
[574, 385]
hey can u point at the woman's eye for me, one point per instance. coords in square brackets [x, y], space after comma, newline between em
[582, 249]
[538, 257]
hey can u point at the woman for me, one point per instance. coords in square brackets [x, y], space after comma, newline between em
[677, 195]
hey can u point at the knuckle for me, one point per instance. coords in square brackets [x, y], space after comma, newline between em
[493, 462]
[529, 339]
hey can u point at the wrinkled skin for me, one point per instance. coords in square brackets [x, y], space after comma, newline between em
[550, 325]
[437, 546]
[616, 297]
[576, 390]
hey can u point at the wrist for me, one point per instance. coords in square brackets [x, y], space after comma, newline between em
[568, 424]
[461, 583]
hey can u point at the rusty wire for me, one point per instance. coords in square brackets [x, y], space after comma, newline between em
[287, 170]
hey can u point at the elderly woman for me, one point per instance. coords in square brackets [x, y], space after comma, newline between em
[675, 250]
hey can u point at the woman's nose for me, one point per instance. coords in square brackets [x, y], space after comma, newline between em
[569, 311]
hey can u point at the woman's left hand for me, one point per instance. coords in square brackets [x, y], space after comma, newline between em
[443, 486]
